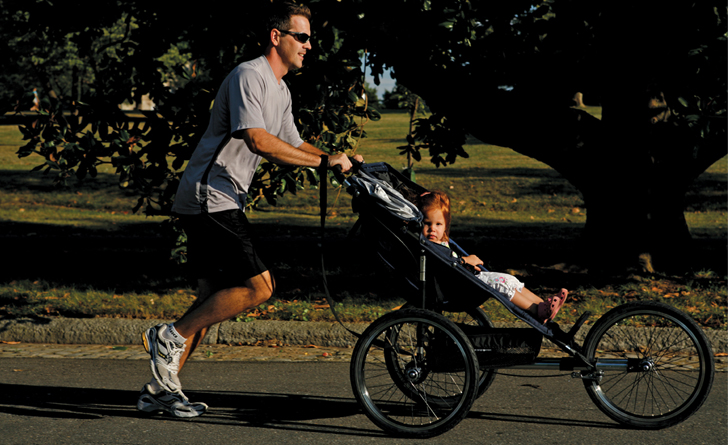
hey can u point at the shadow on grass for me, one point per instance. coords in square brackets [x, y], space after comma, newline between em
[16, 180]
[709, 192]
[136, 256]
[492, 173]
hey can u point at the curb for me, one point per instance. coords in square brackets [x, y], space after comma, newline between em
[119, 331]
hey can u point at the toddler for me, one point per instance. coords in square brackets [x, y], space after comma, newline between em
[435, 206]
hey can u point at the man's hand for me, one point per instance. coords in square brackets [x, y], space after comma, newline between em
[343, 161]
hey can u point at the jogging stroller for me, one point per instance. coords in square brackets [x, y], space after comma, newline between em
[417, 371]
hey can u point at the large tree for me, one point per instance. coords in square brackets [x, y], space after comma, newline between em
[506, 73]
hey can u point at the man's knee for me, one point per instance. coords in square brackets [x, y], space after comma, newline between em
[262, 286]
[262, 295]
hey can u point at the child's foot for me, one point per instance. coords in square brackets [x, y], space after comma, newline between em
[548, 309]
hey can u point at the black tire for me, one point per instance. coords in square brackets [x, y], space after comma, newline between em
[414, 373]
[670, 369]
[472, 317]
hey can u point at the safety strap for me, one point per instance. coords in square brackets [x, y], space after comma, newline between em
[323, 185]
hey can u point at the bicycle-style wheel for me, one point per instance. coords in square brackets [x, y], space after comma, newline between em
[669, 365]
[414, 373]
[473, 317]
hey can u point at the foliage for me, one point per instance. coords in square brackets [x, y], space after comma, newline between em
[440, 137]
[127, 53]
[486, 54]
[402, 98]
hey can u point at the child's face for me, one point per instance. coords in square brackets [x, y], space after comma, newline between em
[434, 229]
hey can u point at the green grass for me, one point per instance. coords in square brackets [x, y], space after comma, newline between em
[81, 252]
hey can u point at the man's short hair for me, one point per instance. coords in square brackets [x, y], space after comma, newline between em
[280, 17]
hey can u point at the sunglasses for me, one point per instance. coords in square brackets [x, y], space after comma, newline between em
[300, 36]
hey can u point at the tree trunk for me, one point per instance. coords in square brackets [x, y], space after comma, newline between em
[413, 113]
[633, 221]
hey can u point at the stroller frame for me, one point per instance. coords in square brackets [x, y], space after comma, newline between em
[416, 372]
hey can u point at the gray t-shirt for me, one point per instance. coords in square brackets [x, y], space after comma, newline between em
[222, 167]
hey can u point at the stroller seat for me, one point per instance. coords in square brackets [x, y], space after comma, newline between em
[391, 225]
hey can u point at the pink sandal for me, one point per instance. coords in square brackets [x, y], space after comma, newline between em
[548, 309]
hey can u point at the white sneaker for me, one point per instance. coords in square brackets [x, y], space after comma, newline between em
[164, 356]
[176, 404]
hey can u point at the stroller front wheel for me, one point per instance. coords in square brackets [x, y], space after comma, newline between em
[669, 365]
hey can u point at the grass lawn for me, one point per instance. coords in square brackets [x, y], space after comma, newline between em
[80, 251]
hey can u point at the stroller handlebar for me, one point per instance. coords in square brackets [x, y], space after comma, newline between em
[339, 174]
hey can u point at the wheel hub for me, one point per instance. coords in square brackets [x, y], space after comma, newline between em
[647, 365]
[414, 374]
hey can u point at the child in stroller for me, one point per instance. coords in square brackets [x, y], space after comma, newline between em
[435, 207]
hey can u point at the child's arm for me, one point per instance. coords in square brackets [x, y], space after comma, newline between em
[473, 260]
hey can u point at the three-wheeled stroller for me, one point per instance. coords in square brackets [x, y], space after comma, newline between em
[417, 371]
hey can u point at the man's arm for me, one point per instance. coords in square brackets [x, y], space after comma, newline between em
[312, 149]
[277, 151]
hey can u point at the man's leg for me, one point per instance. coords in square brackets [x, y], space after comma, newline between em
[210, 307]
[218, 306]
[204, 290]
[223, 250]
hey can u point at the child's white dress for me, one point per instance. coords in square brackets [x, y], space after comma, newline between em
[502, 282]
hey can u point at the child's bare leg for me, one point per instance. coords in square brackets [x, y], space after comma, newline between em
[530, 296]
[526, 302]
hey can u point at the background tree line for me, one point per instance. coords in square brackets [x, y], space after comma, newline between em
[659, 73]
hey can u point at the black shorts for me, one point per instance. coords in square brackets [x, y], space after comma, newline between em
[220, 248]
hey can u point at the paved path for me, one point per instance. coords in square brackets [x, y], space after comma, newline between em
[274, 353]
[92, 401]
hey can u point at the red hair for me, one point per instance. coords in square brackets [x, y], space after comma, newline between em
[436, 200]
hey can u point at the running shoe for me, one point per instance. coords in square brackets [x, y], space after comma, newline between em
[176, 404]
[164, 356]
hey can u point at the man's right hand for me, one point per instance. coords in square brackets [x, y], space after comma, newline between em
[341, 160]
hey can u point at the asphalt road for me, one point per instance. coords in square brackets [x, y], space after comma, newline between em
[72, 401]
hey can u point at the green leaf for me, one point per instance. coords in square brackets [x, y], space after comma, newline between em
[447, 24]
[353, 98]
[373, 114]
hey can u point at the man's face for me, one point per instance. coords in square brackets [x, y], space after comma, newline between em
[291, 50]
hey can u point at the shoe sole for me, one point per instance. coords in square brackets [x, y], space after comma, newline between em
[155, 406]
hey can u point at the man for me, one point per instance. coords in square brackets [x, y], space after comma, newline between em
[250, 119]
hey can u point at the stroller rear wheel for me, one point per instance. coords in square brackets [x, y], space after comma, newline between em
[475, 316]
[414, 373]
